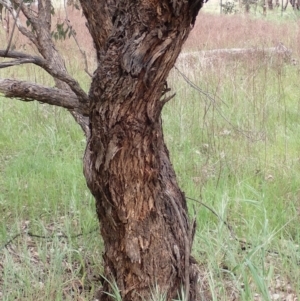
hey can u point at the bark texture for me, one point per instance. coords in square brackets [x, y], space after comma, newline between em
[30, 92]
[143, 213]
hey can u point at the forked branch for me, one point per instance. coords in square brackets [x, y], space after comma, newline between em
[9, 5]
[23, 58]
[68, 94]
[50, 59]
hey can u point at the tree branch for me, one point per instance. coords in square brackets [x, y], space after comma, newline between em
[67, 22]
[44, 11]
[29, 15]
[55, 72]
[21, 55]
[9, 6]
[99, 20]
[16, 62]
[50, 60]
[27, 91]
[13, 30]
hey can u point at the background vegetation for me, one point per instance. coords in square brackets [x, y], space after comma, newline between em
[234, 142]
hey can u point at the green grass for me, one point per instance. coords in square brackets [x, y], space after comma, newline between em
[237, 151]
[43, 191]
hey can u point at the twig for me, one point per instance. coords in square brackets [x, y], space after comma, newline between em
[166, 99]
[217, 215]
[56, 73]
[17, 62]
[193, 85]
[67, 21]
[61, 235]
[13, 29]
[21, 55]
[46, 236]
[8, 5]
[244, 245]
[225, 223]
[212, 99]
[10, 241]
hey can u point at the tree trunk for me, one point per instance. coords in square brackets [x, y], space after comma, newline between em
[264, 5]
[270, 4]
[247, 7]
[142, 212]
[293, 3]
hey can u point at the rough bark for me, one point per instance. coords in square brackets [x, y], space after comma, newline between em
[143, 213]
[29, 92]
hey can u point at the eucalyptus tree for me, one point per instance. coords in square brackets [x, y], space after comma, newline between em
[142, 211]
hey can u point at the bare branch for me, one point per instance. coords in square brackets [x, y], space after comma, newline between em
[83, 121]
[14, 26]
[99, 20]
[72, 83]
[44, 11]
[27, 33]
[29, 15]
[55, 72]
[27, 91]
[21, 55]
[67, 22]
[9, 6]
[50, 60]
[16, 62]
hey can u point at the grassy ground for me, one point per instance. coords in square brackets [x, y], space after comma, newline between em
[234, 145]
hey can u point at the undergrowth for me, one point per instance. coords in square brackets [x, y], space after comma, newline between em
[233, 142]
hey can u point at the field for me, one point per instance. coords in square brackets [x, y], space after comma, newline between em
[234, 143]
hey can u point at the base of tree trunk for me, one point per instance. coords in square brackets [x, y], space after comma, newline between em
[142, 212]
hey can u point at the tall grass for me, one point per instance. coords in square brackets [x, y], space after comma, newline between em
[234, 146]
[233, 143]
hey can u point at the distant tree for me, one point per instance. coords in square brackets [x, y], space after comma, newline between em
[295, 4]
[248, 4]
[142, 212]
[229, 8]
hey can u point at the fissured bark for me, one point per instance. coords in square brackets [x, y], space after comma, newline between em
[143, 213]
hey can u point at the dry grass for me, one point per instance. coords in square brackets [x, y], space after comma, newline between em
[241, 31]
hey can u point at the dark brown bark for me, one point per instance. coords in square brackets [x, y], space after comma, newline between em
[143, 213]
